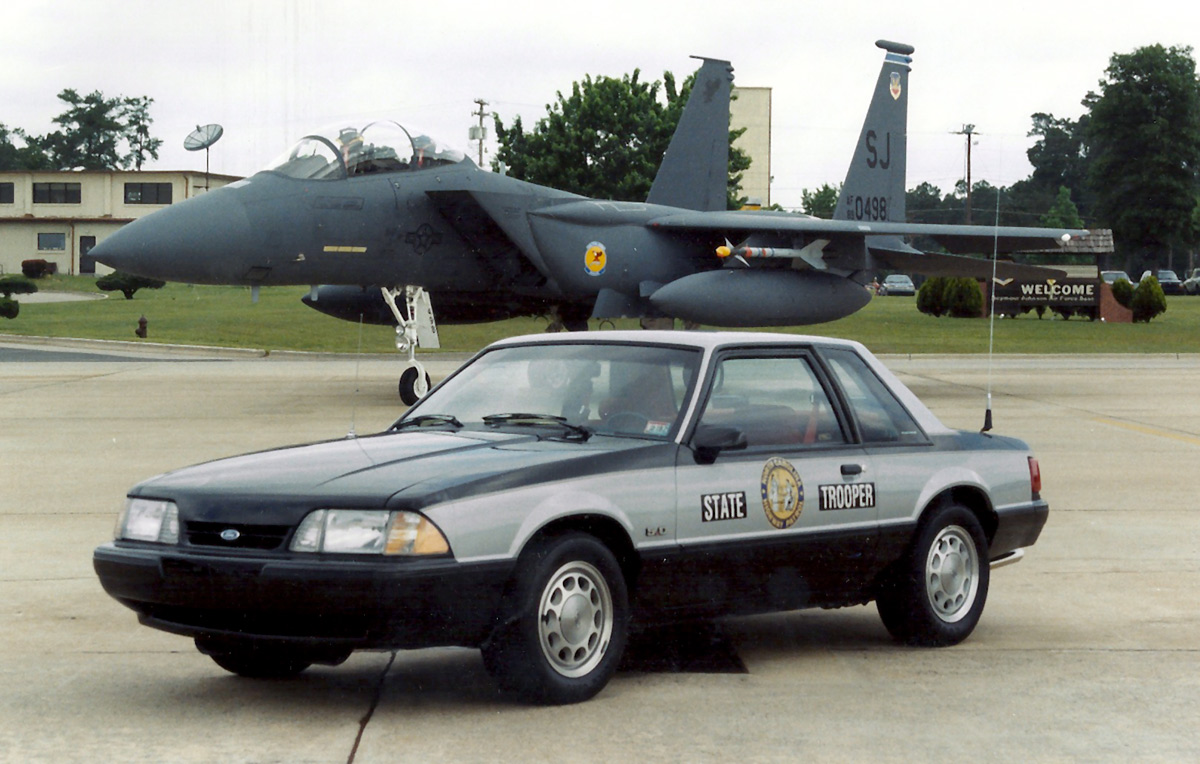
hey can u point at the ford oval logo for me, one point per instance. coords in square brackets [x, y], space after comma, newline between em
[230, 534]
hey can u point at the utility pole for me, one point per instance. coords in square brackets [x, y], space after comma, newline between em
[969, 131]
[479, 133]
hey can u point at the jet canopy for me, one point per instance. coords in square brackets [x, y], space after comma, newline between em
[348, 151]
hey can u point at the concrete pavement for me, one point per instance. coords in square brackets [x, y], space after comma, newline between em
[1087, 650]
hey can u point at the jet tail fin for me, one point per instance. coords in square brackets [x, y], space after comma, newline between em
[874, 187]
[695, 170]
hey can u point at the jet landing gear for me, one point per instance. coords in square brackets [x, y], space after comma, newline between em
[418, 329]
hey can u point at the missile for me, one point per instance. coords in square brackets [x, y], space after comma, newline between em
[811, 253]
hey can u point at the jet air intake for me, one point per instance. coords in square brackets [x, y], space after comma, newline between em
[760, 297]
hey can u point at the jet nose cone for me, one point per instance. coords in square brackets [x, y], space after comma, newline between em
[203, 240]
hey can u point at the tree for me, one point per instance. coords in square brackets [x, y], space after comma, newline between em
[98, 133]
[821, 203]
[605, 140]
[127, 284]
[24, 157]
[1063, 213]
[1059, 158]
[1144, 147]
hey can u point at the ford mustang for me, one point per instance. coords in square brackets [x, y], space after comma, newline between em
[557, 491]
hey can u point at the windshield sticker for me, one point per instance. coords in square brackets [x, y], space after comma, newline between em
[657, 428]
[853, 496]
[782, 493]
[722, 506]
[596, 259]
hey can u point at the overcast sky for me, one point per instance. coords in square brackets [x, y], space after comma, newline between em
[271, 70]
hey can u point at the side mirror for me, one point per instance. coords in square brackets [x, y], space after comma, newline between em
[709, 441]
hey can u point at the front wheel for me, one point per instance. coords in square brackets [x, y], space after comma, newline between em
[414, 385]
[566, 623]
[935, 594]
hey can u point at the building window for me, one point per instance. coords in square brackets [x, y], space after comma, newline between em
[6, 193]
[56, 193]
[147, 193]
[52, 242]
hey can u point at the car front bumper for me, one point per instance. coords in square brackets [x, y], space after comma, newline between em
[386, 603]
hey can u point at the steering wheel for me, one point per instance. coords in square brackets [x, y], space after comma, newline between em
[634, 421]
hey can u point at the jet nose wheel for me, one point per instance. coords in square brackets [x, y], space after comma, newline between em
[414, 384]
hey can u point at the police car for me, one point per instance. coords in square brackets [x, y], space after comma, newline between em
[558, 490]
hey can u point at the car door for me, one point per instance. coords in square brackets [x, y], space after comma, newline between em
[901, 454]
[788, 521]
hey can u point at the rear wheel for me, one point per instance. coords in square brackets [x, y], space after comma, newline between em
[566, 623]
[935, 595]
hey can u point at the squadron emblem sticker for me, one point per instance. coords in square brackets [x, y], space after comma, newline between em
[782, 492]
[596, 259]
[895, 88]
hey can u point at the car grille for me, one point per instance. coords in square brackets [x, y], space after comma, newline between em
[248, 536]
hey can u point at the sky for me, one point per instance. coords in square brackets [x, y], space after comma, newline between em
[270, 71]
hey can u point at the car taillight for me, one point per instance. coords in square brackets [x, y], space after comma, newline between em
[1035, 477]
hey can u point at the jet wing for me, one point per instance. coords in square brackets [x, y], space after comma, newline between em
[960, 239]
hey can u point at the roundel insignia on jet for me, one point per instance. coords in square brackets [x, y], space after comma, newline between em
[895, 89]
[782, 492]
[596, 259]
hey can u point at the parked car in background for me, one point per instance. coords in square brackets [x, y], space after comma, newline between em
[1112, 277]
[897, 284]
[1168, 280]
[1191, 285]
[558, 489]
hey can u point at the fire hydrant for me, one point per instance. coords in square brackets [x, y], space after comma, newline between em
[141, 330]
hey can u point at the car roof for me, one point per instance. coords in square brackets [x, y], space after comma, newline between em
[702, 340]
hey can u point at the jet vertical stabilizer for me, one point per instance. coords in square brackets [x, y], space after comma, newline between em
[874, 188]
[694, 173]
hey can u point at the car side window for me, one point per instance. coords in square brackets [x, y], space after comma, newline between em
[881, 418]
[773, 401]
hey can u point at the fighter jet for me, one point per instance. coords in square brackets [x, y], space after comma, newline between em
[382, 212]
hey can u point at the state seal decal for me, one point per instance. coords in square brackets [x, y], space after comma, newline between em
[782, 493]
[596, 259]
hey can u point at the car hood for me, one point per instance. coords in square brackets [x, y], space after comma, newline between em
[405, 470]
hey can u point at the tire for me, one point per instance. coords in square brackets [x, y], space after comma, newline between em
[566, 622]
[934, 596]
[255, 660]
[409, 393]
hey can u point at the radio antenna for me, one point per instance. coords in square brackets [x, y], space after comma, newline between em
[987, 416]
[357, 362]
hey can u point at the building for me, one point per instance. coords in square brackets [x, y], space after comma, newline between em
[751, 108]
[60, 216]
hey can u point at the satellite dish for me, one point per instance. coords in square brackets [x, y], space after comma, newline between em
[203, 137]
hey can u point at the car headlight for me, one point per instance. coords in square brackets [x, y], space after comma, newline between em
[149, 520]
[357, 531]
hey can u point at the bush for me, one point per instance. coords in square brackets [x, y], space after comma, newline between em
[1123, 292]
[14, 284]
[126, 283]
[963, 298]
[9, 308]
[36, 269]
[1148, 300]
[930, 297]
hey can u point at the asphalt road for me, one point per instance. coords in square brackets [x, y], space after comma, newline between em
[1088, 650]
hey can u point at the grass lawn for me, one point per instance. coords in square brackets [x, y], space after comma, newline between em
[225, 317]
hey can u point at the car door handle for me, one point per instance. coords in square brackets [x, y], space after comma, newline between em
[852, 469]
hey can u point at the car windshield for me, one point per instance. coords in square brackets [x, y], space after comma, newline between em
[347, 150]
[610, 389]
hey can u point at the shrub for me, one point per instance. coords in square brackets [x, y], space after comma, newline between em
[36, 269]
[1148, 300]
[14, 284]
[930, 297]
[1123, 292]
[9, 308]
[126, 283]
[963, 298]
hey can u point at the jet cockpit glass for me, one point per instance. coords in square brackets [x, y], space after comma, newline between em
[348, 151]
